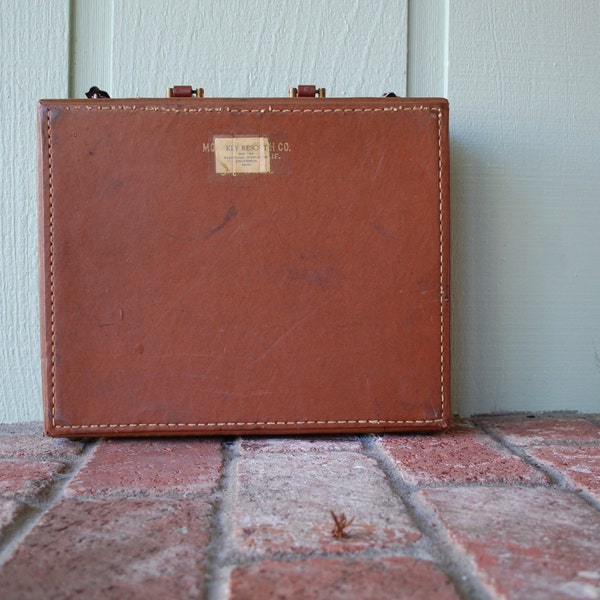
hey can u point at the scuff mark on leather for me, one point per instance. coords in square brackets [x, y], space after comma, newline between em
[381, 230]
[112, 319]
[232, 212]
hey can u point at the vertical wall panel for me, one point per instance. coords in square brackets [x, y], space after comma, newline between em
[523, 79]
[90, 55]
[33, 63]
[260, 47]
[427, 48]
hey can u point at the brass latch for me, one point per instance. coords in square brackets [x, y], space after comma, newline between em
[184, 91]
[307, 91]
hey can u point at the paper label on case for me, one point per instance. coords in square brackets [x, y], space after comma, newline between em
[240, 155]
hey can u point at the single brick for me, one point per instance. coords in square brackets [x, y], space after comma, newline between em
[27, 440]
[25, 480]
[580, 465]
[150, 467]
[303, 444]
[342, 578]
[284, 503]
[530, 543]
[463, 454]
[115, 548]
[543, 429]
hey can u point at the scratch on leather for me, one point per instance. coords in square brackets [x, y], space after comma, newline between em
[291, 328]
[232, 212]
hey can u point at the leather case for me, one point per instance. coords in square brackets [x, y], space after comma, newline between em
[244, 266]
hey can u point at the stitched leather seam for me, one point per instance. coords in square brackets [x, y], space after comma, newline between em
[51, 269]
[235, 424]
[442, 292]
[164, 109]
[257, 423]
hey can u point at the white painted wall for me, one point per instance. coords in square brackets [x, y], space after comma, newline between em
[524, 82]
[33, 60]
[521, 78]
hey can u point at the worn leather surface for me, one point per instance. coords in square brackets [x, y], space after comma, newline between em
[310, 298]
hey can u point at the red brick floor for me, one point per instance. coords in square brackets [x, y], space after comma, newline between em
[498, 507]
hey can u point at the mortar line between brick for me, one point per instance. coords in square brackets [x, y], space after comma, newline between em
[518, 451]
[556, 477]
[31, 514]
[448, 556]
[221, 539]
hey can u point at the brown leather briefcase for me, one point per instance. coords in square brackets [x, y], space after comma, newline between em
[244, 266]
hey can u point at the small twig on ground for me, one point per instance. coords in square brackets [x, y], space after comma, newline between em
[341, 524]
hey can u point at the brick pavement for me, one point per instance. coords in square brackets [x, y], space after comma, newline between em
[498, 507]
